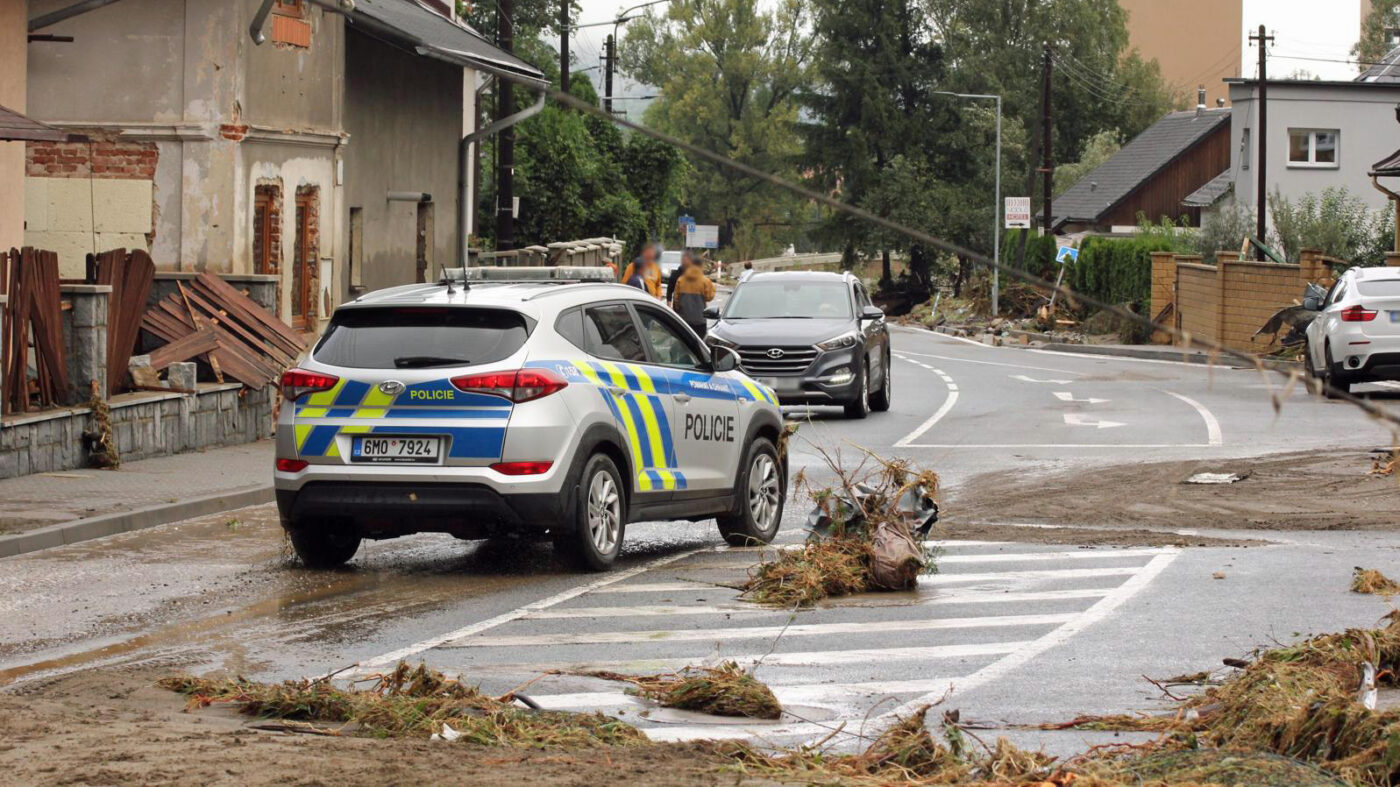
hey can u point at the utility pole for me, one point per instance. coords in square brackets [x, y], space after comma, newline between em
[1261, 199]
[1047, 161]
[505, 143]
[610, 62]
[564, 66]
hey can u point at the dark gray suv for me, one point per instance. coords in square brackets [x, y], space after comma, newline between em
[814, 338]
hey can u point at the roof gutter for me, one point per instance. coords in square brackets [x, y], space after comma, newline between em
[77, 9]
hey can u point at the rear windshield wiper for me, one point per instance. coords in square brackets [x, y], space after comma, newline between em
[420, 361]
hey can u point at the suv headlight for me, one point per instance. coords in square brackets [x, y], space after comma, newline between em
[840, 342]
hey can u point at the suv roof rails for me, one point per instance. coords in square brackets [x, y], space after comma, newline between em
[563, 274]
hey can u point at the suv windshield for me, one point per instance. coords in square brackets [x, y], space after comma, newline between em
[798, 300]
[420, 337]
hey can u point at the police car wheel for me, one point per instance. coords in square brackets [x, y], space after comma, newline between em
[762, 491]
[594, 538]
[880, 400]
[323, 546]
[860, 408]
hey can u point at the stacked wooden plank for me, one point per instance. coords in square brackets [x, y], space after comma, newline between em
[211, 320]
[33, 321]
[130, 277]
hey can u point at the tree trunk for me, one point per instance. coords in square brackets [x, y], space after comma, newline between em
[885, 276]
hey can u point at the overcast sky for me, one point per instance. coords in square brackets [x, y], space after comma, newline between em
[1308, 33]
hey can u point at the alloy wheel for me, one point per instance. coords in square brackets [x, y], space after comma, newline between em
[764, 492]
[604, 512]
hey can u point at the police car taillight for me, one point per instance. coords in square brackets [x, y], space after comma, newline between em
[522, 385]
[298, 382]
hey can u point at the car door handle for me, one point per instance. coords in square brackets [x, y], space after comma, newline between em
[616, 391]
[683, 398]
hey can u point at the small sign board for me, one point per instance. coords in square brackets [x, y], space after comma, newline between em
[684, 223]
[1018, 213]
[1067, 255]
[702, 236]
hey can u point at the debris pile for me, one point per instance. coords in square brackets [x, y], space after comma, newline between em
[866, 534]
[409, 702]
[1373, 582]
[726, 690]
[1314, 702]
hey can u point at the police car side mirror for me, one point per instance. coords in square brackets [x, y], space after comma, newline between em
[724, 359]
[872, 313]
[712, 313]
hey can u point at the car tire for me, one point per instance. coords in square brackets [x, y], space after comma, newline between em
[592, 535]
[761, 490]
[860, 407]
[880, 400]
[323, 545]
[1335, 379]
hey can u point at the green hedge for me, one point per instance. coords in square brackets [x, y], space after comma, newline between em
[1040, 253]
[1116, 270]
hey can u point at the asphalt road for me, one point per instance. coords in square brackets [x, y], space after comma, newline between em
[1019, 633]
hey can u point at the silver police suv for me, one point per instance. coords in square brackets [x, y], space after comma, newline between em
[540, 408]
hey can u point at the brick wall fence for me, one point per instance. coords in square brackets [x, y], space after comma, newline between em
[1229, 301]
[145, 424]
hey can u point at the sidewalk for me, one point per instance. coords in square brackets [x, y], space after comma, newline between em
[50, 509]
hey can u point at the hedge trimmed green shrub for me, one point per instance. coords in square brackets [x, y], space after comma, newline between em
[1116, 270]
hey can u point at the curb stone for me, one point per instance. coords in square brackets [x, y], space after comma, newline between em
[128, 521]
[1193, 356]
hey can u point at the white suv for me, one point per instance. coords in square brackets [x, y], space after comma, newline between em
[560, 410]
[1356, 335]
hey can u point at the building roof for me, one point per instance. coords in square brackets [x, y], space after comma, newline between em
[1386, 167]
[14, 126]
[409, 24]
[1387, 69]
[1149, 153]
[1211, 193]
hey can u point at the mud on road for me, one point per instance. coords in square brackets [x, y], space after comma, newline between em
[1296, 491]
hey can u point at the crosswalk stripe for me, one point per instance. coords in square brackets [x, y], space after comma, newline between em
[663, 587]
[756, 632]
[1080, 554]
[951, 595]
[810, 658]
[1049, 573]
[807, 694]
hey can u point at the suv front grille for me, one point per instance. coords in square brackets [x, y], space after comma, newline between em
[788, 360]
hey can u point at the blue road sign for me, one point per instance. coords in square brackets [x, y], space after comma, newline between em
[1067, 254]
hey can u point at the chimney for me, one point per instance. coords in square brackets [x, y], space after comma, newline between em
[1200, 100]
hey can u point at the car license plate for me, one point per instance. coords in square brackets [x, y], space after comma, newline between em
[781, 384]
[1395, 316]
[396, 450]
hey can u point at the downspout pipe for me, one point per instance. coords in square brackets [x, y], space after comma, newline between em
[77, 9]
[464, 160]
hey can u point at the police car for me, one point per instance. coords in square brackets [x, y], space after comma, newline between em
[539, 408]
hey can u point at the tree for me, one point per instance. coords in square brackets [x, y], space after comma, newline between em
[1377, 32]
[1100, 148]
[727, 74]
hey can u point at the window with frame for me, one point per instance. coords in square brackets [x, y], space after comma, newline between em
[609, 332]
[668, 344]
[1313, 148]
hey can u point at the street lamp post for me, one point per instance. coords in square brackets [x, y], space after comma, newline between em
[996, 209]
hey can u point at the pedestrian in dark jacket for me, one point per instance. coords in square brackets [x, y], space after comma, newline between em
[692, 293]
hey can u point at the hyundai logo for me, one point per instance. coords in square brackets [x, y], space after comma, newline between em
[775, 353]
[391, 387]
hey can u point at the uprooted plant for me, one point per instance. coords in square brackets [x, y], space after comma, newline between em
[1371, 581]
[410, 702]
[725, 690]
[867, 533]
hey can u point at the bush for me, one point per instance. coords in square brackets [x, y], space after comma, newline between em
[1039, 259]
[1336, 222]
[1118, 270]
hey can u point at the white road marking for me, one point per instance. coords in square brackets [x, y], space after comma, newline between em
[1105, 357]
[1077, 554]
[644, 610]
[1025, 378]
[756, 729]
[967, 596]
[395, 656]
[994, 363]
[755, 632]
[804, 694]
[938, 415]
[1055, 446]
[1019, 658]
[1021, 576]
[1079, 419]
[1066, 396]
[666, 587]
[1212, 425]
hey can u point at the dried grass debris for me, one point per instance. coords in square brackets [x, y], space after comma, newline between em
[1373, 582]
[725, 690]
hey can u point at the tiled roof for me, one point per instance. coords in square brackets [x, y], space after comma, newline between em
[1209, 194]
[408, 23]
[14, 126]
[1161, 144]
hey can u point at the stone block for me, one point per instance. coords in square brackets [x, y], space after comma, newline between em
[182, 375]
[123, 206]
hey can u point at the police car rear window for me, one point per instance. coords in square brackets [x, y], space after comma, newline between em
[420, 337]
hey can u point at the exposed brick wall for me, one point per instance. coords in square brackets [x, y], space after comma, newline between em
[1163, 290]
[107, 159]
[306, 248]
